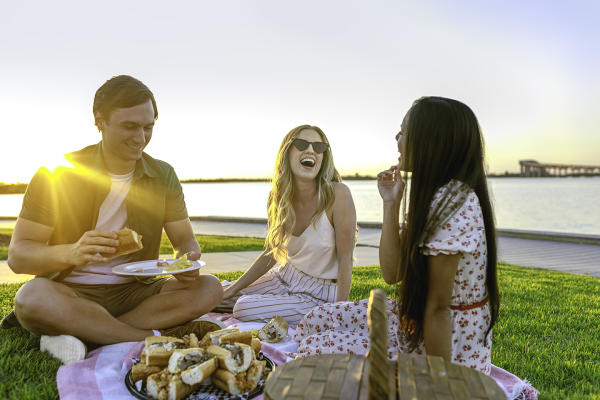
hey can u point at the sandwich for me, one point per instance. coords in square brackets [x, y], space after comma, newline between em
[244, 337]
[177, 389]
[190, 340]
[233, 357]
[243, 382]
[156, 385]
[256, 371]
[256, 345]
[129, 242]
[141, 371]
[165, 386]
[275, 330]
[194, 365]
[228, 335]
[158, 349]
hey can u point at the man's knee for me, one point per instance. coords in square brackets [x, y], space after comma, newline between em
[209, 293]
[34, 303]
[29, 299]
[212, 289]
[31, 295]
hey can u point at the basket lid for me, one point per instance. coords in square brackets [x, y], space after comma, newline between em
[355, 377]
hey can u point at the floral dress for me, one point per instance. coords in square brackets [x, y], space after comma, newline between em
[455, 213]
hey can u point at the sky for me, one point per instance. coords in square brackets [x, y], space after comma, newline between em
[231, 78]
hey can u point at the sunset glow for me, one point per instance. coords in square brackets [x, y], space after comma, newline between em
[232, 78]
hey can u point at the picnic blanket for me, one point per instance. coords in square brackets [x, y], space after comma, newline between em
[101, 375]
[514, 388]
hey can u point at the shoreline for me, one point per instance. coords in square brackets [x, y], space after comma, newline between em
[514, 233]
[19, 188]
[9, 221]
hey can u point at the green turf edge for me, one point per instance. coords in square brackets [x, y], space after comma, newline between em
[547, 333]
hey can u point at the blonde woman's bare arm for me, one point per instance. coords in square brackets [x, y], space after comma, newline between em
[344, 224]
[259, 267]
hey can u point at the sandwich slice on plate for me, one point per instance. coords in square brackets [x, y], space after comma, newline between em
[166, 386]
[190, 340]
[275, 330]
[141, 371]
[158, 349]
[243, 382]
[177, 389]
[256, 345]
[228, 335]
[255, 372]
[233, 357]
[194, 365]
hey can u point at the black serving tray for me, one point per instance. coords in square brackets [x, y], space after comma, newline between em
[207, 392]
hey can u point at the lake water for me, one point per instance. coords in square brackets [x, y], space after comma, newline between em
[568, 205]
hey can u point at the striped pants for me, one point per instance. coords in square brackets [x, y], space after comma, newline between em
[283, 291]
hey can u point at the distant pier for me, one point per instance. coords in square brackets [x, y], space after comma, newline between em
[533, 168]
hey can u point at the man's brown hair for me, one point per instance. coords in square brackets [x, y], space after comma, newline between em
[122, 91]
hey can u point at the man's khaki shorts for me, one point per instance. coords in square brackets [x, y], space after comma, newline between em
[118, 299]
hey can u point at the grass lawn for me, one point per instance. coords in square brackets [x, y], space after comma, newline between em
[4, 232]
[547, 333]
[218, 244]
[209, 244]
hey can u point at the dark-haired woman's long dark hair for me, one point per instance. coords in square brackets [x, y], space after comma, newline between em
[443, 142]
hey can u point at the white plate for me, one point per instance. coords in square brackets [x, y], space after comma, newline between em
[149, 268]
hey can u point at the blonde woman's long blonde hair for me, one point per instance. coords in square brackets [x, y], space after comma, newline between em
[282, 217]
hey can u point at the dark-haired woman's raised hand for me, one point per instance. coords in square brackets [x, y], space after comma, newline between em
[390, 185]
[391, 188]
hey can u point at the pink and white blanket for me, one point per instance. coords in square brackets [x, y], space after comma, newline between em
[101, 376]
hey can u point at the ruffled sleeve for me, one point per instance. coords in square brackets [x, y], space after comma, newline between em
[457, 223]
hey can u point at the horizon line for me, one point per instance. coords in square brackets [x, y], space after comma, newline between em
[268, 179]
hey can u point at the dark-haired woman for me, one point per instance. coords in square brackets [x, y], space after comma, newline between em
[443, 258]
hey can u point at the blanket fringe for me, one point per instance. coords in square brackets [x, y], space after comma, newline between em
[523, 391]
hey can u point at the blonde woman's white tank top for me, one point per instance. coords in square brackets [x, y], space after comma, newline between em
[314, 252]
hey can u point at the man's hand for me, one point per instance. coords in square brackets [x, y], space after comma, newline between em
[390, 185]
[193, 255]
[190, 275]
[88, 247]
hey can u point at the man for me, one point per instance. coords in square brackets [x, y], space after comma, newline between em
[64, 235]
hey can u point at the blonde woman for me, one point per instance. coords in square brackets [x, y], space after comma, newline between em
[312, 225]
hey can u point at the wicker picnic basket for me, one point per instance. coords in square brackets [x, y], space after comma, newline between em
[344, 376]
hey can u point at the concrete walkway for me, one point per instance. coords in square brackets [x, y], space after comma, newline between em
[215, 262]
[560, 256]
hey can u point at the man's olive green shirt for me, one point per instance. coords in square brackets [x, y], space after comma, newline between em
[69, 199]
